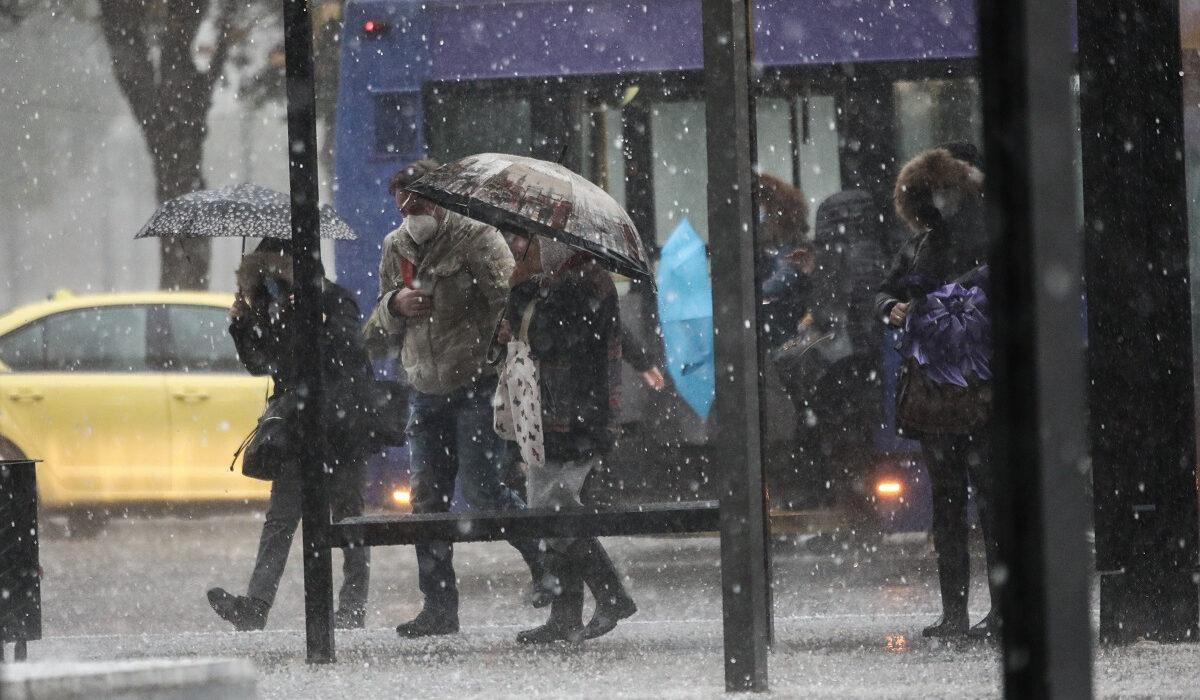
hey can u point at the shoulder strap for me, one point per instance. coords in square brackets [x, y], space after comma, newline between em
[526, 317]
[408, 272]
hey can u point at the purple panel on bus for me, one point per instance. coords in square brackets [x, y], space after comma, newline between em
[474, 39]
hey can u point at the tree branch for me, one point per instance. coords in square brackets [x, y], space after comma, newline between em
[178, 67]
[225, 39]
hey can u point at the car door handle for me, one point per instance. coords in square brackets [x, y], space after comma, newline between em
[26, 395]
[192, 396]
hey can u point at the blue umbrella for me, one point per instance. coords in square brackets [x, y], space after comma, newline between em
[685, 313]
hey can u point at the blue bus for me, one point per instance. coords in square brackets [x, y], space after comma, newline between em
[845, 93]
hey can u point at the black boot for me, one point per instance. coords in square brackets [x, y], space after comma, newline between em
[544, 586]
[612, 601]
[950, 625]
[954, 621]
[566, 610]
[437, 616]
[987, 628]
[542, 589]
[246, 614]
[953, 579]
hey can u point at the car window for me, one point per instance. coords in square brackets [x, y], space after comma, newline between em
[101, 339]
[199, 340]
[22, 350]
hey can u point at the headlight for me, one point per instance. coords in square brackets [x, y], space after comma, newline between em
[889, 488]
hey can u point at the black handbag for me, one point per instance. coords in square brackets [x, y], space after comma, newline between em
[272, 446]
[803, 360]
[926, 407]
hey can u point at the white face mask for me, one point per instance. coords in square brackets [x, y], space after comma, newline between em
[947, 201]
[421, 227]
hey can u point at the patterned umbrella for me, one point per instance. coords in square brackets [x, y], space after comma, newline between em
[236, 210]
[533, 197]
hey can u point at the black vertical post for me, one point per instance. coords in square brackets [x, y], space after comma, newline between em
[729, 121]
[306, 265]
[20, 579]
[1139, 330]
[1025, 64]
[639, 170]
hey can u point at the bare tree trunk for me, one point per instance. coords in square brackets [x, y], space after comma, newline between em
[170, 98]
[177, 147]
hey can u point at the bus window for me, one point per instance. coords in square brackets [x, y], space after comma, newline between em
[929, 112]
[680, 167]
[798, 143]
[603, 155]
[777, 138]
[460, 123]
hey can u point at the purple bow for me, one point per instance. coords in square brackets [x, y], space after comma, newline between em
[949, 334]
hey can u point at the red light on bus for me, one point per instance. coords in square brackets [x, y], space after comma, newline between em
[373, 27]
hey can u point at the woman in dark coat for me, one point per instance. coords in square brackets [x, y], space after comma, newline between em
[574, 336]
[261, 324]
[939, 194]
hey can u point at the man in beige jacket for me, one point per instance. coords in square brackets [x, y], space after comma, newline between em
[443, 282]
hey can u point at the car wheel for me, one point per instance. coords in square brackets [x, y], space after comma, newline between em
[10, 451]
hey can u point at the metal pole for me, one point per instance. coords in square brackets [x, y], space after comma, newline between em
[306, 264]
[1139, 324]
[1025, 64]
[729, 121]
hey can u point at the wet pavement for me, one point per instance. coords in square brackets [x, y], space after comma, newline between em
[847, 623]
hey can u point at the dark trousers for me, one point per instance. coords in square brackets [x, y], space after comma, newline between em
[451, 438]
[958, 464]
[283, 516]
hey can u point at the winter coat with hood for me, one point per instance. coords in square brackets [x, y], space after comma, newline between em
[263, 338]
[465, 268]
[939, 194]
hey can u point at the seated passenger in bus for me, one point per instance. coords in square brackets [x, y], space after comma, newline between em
[785, 291]
[831, 366]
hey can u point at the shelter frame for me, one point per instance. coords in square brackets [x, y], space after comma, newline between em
[1027, 119]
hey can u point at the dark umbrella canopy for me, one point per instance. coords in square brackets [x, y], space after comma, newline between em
[235, 210]
[534, 197]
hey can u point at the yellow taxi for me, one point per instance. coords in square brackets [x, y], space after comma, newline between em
[127, 398]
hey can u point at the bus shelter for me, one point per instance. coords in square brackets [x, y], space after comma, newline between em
[1133, 249]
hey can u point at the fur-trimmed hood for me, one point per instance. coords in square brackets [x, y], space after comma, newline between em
[926, 179]
[259, 266]
[784, 212]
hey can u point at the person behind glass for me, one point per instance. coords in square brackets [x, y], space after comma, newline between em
[783, 260]
[261, 322]
[574, 335]
[834, 384]
[443, 282]
[939, 195]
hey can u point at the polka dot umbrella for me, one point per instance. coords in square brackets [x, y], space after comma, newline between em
[235, 210]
